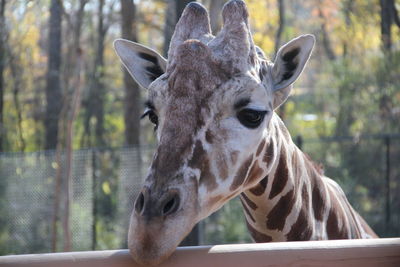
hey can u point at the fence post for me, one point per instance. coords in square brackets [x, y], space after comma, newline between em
[94, 199]
[388, 215]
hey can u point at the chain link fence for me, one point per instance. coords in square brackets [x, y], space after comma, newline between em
[103, 186]
[105, 183]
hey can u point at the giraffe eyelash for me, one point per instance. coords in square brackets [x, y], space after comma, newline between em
[152, 117]
[146, 113]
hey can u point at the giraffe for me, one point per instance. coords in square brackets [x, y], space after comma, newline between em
[212, 104]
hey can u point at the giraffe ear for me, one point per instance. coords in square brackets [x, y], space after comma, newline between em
[289, 63]
[144, 64]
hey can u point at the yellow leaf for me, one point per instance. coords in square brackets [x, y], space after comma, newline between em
[54, 165]
[106, 188]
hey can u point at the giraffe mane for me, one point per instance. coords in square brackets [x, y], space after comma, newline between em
[318, 166]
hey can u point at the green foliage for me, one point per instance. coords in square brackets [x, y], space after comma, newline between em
[226, 226]
[107, 238]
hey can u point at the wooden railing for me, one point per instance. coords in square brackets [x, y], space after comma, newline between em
[372, 252]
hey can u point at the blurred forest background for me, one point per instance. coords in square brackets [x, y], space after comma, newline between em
[73, 151]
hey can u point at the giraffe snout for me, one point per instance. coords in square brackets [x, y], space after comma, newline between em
[150, 205]
[162, 216]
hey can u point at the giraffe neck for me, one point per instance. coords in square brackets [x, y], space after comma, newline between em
[293, 200]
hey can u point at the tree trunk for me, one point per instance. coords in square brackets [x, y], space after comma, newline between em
[180, 6]
[2, 65]
[170, 22]
[75, 106]
[96, 98]
[389, 16]
[281, 26]
[53, 86]
[215, 8]
[16, 74]
[345, 113]
[70, 109]
[94, 103]
[173, 13]
[70, 116]
[278, 41]
[99, 77]
[326, 41]
[73, 33]
[132, 90]
[386, 23]
[348, 8]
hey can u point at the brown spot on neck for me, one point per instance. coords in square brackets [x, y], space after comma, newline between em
[301, 230]
[247, 212]
[254, 174]
[318, 199]
[352, 218]
[250, 203]
[333, 229]
[257, 236]
[241, 174]
[259, 189]
[276, 219]
[305, 196]
[335, 225]
[281, 176]
[269, 153]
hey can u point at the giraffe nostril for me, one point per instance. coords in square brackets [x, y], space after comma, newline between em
[171, 204]
[139, 204]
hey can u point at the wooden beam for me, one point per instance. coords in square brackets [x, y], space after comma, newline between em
[366, 252]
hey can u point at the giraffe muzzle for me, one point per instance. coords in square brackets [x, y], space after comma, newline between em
[162, 216]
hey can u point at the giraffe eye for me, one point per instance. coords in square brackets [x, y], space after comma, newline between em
[251, 118]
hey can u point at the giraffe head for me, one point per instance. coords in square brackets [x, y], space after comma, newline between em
[211, 104]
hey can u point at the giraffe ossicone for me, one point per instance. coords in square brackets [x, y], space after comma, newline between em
[212, 103]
